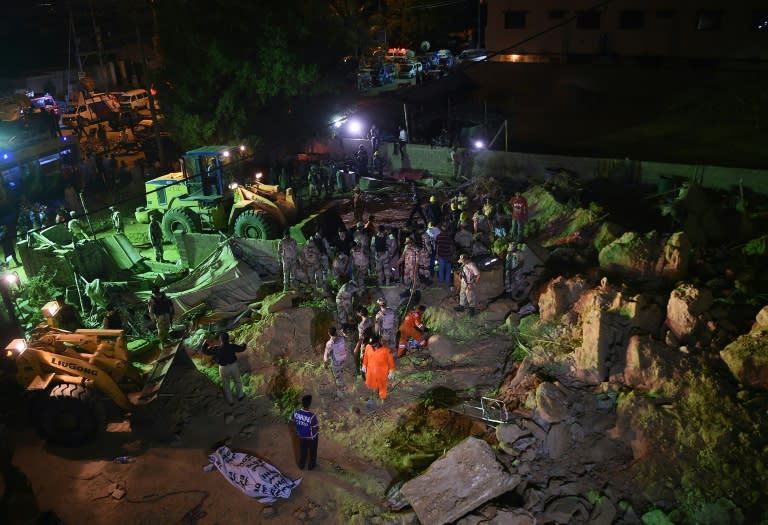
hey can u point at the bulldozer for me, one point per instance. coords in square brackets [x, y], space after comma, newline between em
[212, 192]
[68, 371]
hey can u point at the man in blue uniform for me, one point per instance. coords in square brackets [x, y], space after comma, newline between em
[307, 428]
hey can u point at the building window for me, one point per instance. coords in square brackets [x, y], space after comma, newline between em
[588, 20]
[557, 14]
[631, 19]
[760, 20]
[514, 19]
[709, 20]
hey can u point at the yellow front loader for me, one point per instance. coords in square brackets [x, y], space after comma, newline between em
[70, 368]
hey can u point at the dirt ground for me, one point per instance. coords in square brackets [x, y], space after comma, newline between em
[166, 483]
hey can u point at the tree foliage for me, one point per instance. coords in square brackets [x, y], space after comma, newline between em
[224, 64]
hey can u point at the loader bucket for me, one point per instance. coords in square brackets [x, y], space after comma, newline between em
[156, 376]
[327, 221]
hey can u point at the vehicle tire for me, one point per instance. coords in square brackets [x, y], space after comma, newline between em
[180, 220]
[255, 224]
[68, 417]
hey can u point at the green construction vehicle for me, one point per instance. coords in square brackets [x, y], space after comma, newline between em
[213, 192]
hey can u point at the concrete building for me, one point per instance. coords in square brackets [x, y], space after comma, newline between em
[705, 31]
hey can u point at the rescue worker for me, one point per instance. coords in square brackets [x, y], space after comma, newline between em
[156, 237]
[481, 224]
[469, 276]
[161, 311]
[117, 220]
[313, 182]
[358, 203]
[225, 356]
[361, 235]
[432, 233]
[413, 333]
[288, 252]
[453, 217]
[381, 258]
[360, 261]
[312, 266]
[324, 249]
[515, 282]
[519, 206]
[75, 227]
[308, 430]
[393, 256]
[378, 367]
[364, 334]
[340, 268]
[336, 351]
[425, 257]
[444, 250]
[410, 261]
[385, 325]
[463, 239]
[432, 211]
[345, 299]
[378, 165]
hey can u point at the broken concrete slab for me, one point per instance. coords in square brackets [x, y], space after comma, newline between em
[467, 476]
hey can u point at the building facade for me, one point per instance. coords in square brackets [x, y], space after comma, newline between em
[658, 30]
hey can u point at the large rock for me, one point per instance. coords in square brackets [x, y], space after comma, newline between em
[647, 256]
[648, 364]
[551, 403]
[558, 441]
[442, 349]
[559, 296]
[686, 309]
[607, 233]
[467, 476]
[602, 348]
[747, 356]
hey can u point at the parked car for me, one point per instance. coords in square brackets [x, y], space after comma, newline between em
[472, 55]
[410, 69]
[134, 99]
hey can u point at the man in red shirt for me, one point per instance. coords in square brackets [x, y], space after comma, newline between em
[519, 215]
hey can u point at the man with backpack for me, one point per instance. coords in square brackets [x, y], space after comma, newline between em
[385, 325]
[161, 311]
[381, 258]
[336, 351]
[364, 334]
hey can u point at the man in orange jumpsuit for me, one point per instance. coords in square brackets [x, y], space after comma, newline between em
[378, 367]
[412, 331]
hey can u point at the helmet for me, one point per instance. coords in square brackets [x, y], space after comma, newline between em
[463, 257]
[381, 301]
[454, 206]
[72, 214]
[111, 208]
[360, 224]
[433, 199]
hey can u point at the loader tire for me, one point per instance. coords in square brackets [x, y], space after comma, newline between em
[254, 224]
[180, 220]
[69, 417]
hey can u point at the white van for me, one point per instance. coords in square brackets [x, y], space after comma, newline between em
[134, 99]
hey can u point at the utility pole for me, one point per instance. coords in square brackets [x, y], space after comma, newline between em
[145, 72]
[99, 47]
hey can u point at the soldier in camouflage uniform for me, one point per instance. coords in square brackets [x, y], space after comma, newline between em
[393, 257]
[312, 265]
[381, 257]
[344, 303]
[324, 249]
[410, 260]
[288, 252]
[385, 325]
[360, 261]
[340, 268]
